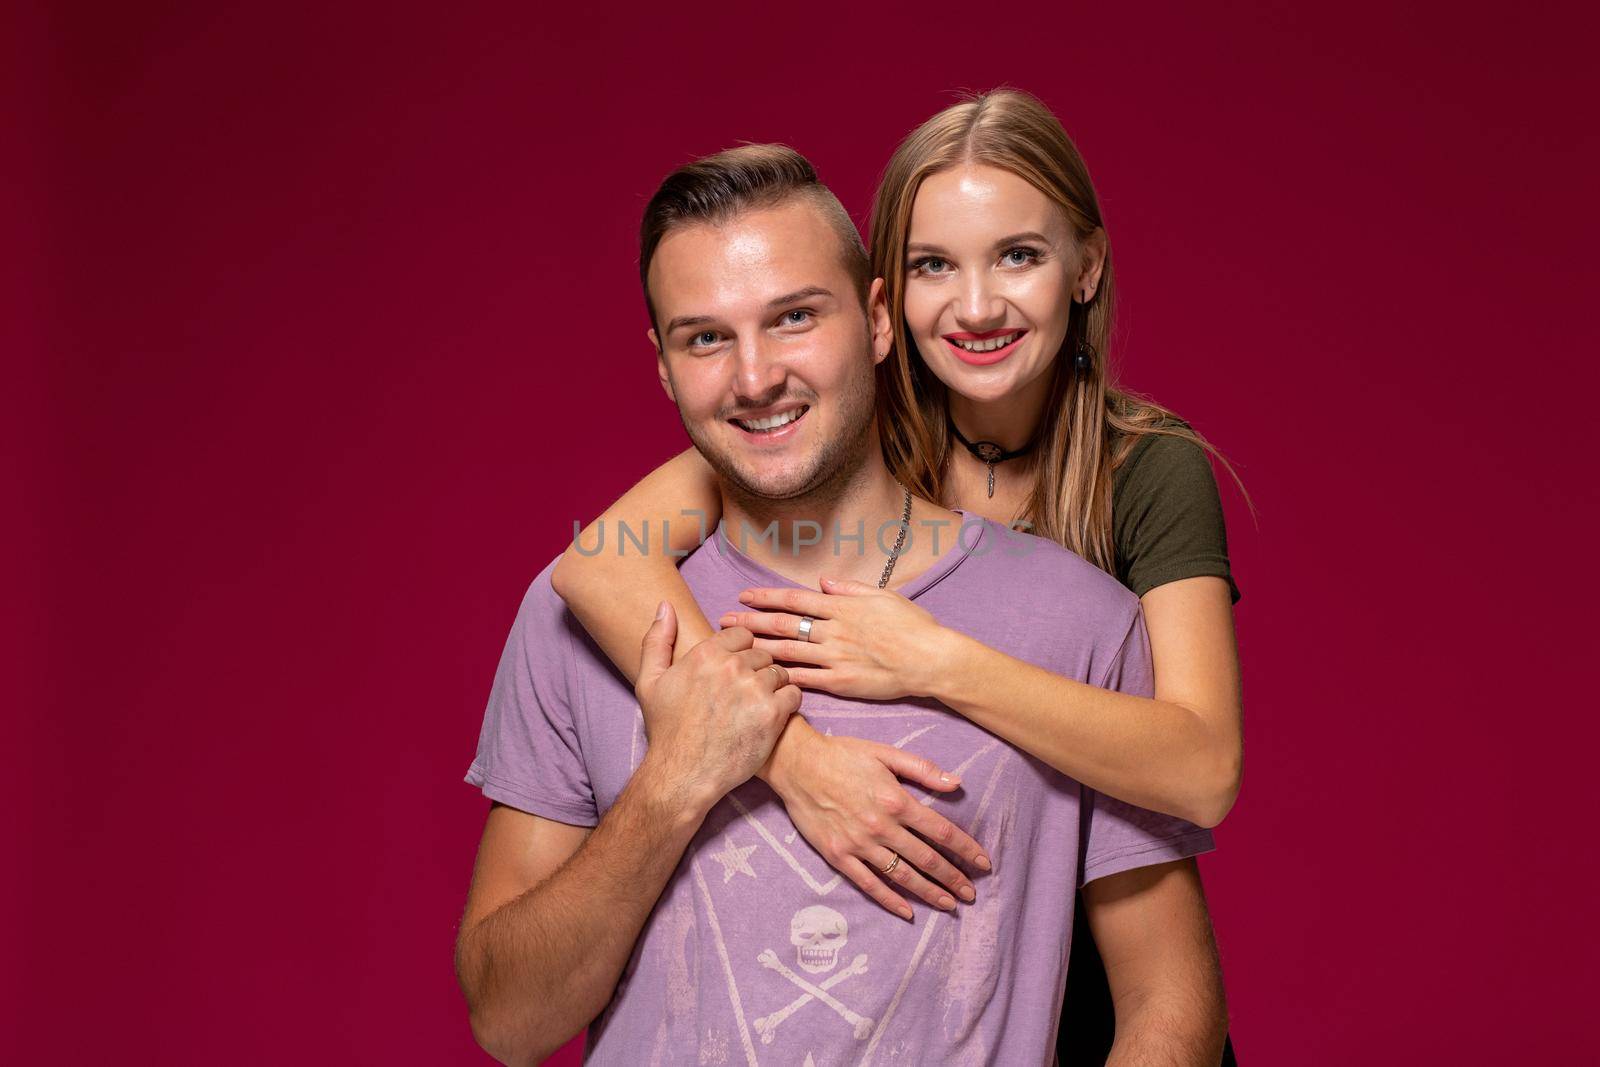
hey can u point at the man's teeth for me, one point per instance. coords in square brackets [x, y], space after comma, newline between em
[988, 345]
[773, 422]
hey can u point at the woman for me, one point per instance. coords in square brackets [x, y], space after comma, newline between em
[987, 232]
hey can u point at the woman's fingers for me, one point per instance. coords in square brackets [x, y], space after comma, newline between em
[908, 876]
[794, 651]
[924, 858]
[795, 601]
[914, 768]
[947, 835]
[871, 883]
[771, 624]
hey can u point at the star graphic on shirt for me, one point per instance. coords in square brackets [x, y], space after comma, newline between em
[734, 860]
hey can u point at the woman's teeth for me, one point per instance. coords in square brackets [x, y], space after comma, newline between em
[988, 345]
[772, 422]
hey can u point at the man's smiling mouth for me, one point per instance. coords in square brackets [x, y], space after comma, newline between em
[769, 423]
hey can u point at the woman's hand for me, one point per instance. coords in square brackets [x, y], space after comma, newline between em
[844, 796]
[867, 643]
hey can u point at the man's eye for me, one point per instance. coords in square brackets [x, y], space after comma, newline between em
[796, 318]
[704, 338]
[1019, 257]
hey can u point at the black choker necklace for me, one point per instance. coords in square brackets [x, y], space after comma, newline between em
[989, 453]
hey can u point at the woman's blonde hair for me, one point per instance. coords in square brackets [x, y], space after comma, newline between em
[1089, 424]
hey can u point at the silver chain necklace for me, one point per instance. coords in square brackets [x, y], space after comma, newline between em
[899, 542]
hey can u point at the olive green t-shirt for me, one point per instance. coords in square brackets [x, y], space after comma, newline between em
[1166, 516]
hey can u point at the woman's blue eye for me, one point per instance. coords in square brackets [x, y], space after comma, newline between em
[1018, 257]
[929, 265]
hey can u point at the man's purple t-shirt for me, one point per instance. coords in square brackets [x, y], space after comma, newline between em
[758, 951]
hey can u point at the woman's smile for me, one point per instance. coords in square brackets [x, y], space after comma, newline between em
[987, 348]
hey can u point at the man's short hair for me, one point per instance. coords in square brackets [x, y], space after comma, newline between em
[721, 187]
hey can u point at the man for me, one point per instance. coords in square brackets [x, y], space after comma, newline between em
[692, 924]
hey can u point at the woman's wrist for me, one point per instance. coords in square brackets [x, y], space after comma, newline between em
[785, 755]
[942, 666]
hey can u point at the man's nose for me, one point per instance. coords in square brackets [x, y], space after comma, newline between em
[980, 307]
[758, 374]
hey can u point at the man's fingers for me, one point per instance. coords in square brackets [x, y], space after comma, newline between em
[753, 659]
[655, 651]
[734, 639]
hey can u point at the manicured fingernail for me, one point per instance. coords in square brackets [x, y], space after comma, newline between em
[947, 903]
[983, 861]
[745, 598]
[968, 893]
[949, 779]
[904, 913]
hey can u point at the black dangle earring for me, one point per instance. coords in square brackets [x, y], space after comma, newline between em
[1083, 360]
[1085, 357]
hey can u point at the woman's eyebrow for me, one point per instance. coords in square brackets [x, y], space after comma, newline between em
[1025, 235]
[1010, 239]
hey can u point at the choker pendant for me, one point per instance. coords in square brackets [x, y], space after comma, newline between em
[988, 453]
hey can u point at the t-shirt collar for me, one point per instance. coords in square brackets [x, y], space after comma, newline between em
[967, 537]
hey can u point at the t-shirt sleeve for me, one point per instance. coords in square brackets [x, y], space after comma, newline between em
[1167, 517]
[529, 754]
[1119, 836]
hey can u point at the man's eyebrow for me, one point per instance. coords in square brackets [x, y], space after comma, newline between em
[688, 320]
[799, 294]
[787, 298]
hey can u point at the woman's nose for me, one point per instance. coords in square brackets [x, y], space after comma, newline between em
[980, 307]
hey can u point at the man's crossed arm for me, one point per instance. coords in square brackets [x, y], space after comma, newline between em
[1155, 936]
[554, 910]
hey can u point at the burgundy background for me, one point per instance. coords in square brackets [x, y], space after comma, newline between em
[327, 327]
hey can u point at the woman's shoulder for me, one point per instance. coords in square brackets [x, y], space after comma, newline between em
[1167, 520]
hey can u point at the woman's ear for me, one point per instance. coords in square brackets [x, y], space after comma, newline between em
[878, 320]
[1093, 250]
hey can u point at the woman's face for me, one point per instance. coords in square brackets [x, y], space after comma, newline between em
[991, 269]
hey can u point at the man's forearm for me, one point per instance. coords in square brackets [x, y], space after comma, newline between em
[540, 968]
[1171, 1032]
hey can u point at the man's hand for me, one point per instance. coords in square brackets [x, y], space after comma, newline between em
[713, 717]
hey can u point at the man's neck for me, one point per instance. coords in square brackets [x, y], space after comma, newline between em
[846, 530]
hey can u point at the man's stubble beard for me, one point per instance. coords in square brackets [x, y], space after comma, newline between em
[834, 465]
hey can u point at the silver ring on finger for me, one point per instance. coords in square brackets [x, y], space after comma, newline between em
[892, 863]
[805, 627]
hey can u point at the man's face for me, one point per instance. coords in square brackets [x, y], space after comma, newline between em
[765, 348]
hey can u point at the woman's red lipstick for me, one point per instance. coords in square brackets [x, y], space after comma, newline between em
[983, 359]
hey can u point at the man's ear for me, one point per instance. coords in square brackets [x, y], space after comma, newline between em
[661, 364]
[878, 320]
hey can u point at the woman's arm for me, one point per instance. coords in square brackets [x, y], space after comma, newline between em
[614, 591]
[1179, 753]
[842, 793]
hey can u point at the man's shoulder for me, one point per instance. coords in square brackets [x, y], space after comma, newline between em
[1048, 578]
[545, 625]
